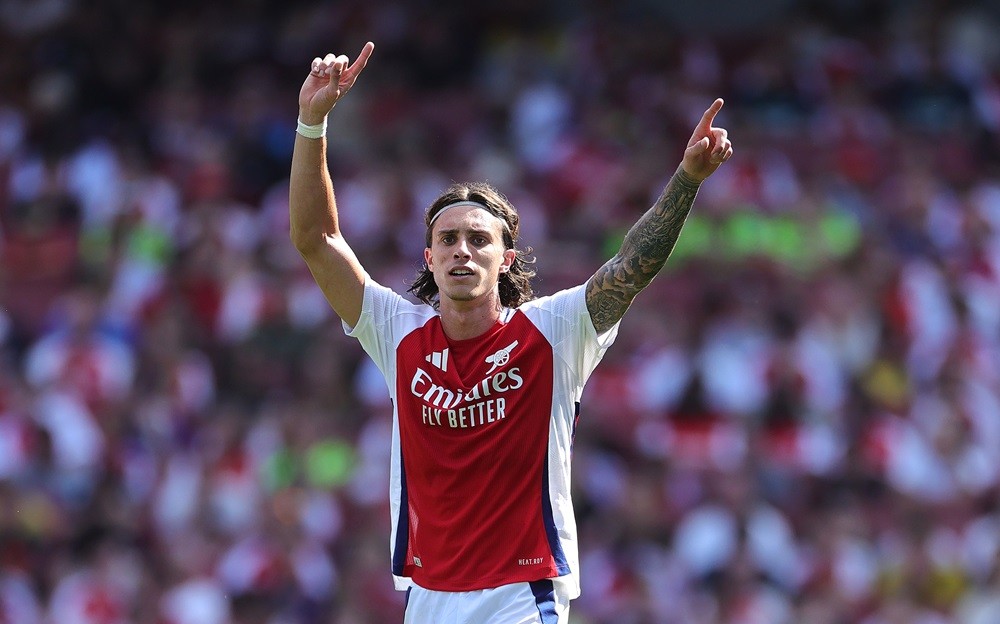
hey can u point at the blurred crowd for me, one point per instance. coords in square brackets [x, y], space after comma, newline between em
[799, 421]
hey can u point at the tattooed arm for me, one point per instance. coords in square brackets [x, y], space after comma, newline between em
[648, 244]
[644, 252]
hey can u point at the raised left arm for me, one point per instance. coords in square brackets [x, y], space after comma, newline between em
[649, 242]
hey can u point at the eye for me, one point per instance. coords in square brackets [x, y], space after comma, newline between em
[479, 241]
[448, 239]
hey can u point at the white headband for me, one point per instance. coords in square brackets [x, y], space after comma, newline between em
[466, 202]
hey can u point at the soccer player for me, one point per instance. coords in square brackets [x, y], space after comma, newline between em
[485, 379]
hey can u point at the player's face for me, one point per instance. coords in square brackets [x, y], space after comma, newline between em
[467, 254]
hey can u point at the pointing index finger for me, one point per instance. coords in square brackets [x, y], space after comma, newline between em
[360, 62]
[705, 125]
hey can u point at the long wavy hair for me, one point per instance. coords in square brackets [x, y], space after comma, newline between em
[515, 283]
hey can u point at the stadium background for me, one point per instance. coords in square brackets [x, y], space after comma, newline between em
[800, 421]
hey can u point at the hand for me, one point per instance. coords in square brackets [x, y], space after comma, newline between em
[708, 148]
[329, 79]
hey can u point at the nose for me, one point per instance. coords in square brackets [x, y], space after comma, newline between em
[462, 249]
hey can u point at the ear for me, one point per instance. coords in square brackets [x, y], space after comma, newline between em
[508, 260]
[427, 257]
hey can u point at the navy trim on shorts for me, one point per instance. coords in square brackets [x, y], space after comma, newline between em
[545, 600]
[555, 546]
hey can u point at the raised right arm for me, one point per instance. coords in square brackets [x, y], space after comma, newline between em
[315, 229]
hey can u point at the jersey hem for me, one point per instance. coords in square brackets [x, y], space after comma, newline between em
[482, 584]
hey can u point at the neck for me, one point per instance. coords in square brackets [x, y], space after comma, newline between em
[462, 320]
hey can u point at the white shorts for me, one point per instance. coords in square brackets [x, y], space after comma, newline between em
[538, 602]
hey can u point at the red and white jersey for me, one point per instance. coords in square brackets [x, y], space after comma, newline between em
[482, 438]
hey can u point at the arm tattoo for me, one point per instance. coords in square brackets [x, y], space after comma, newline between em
[643, 253]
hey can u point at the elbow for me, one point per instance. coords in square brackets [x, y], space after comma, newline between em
[312, 243]
[297, 238]
[305, 242]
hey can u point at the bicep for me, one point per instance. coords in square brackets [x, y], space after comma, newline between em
[340, 276]
[609, 294]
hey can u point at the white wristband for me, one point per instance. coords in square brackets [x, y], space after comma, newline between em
[311, 132]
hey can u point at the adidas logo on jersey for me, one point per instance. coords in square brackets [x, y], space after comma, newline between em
[438, 359]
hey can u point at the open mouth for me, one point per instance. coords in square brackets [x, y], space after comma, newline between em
[460, 272]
